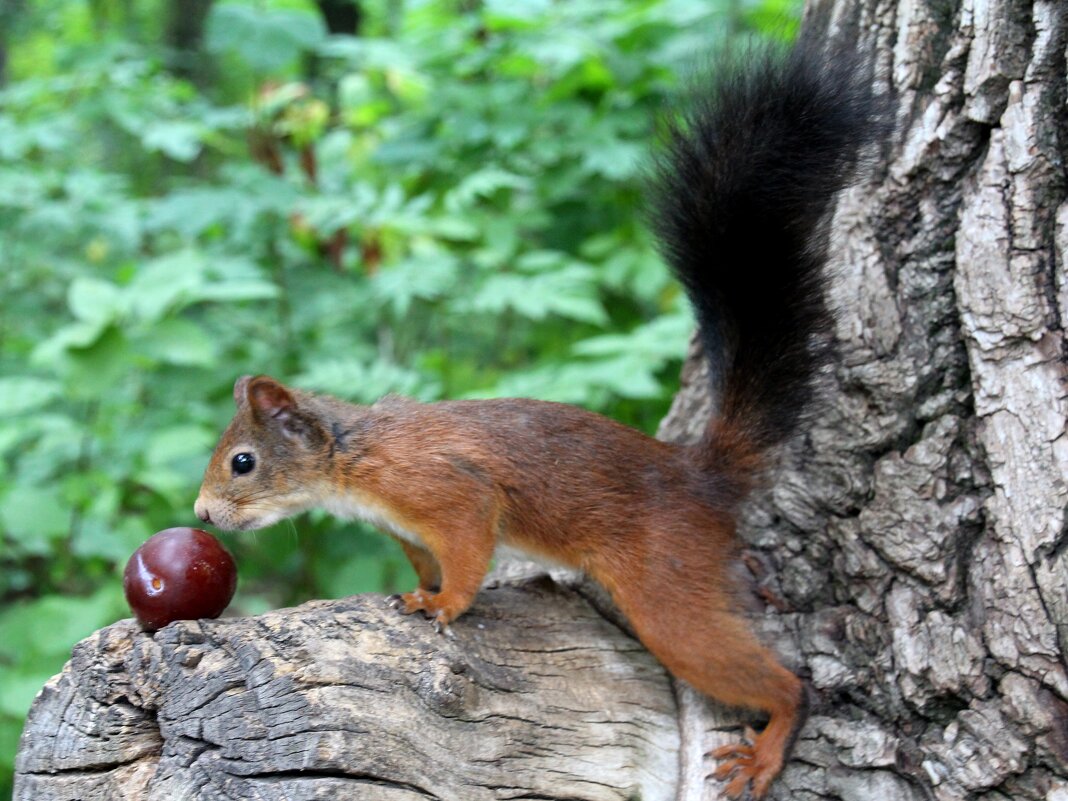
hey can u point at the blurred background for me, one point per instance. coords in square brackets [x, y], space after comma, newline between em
[435, 198]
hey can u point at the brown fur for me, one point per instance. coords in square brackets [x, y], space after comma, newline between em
[452, 480]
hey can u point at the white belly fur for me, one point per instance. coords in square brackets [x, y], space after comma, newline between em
[513, 552]
[354, 507]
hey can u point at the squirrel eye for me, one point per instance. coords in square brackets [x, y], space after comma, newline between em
[243, 463]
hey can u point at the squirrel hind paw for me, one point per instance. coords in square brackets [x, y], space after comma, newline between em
[746, 766]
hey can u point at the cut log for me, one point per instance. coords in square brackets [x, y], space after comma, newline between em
[534, 694]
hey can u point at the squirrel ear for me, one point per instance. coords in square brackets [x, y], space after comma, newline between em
[241, 390]
[272, 403]
[267, 397]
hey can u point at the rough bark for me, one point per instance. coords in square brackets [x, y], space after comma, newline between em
[910, 545]
[916, 534]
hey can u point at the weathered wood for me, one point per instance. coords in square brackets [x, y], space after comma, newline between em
[535, 695]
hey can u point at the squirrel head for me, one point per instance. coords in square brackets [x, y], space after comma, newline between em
[268, 461]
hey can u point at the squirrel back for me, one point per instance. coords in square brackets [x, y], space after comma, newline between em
[740, 202]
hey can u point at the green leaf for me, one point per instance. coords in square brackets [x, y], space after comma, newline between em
[267, 39]
[235, 279]
[657, 341]
[512, 11]
[364, 383]
[94, 370]
[166, 283]
[569, 292]
[456, 229]
[580, 383]
[23, 393]
[426, 276]
[35, 517]
[180, 342]
[229, 291]
[190, 212]
[40, 634]
[483, 184]
[179, 279]
[94, 301]
[615, 159]
[74, 336]
[179, 140]
[178, 442]
[111, 539]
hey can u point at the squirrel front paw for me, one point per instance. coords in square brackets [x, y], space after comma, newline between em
[430, 604]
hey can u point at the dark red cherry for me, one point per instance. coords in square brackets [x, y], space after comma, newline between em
[179, 574]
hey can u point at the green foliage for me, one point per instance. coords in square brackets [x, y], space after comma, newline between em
[445, 206]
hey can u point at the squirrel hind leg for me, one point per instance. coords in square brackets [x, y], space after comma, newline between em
[698, 640]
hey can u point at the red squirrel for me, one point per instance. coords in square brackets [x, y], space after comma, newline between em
[740, 205]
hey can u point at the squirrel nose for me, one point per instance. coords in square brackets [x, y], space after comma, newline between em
[201, 510]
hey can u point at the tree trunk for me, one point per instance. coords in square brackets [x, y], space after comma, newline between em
[917, 531]
[341, 16]
[910, 546]
[184, 34]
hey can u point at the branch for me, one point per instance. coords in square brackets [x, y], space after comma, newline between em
[535, 694]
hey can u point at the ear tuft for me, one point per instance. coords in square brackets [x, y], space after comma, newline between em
[269, 398]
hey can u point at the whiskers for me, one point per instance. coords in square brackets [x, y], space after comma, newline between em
[253, 505]
[251, 495]
[295, 535]
[257, 508]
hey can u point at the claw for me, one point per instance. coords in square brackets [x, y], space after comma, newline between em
[406, 603]
[441, 627]
[429, 605]
[734, 750]
[729, 767]
[736, 787]
[724, 770]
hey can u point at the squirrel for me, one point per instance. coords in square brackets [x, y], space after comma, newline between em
[741, 194]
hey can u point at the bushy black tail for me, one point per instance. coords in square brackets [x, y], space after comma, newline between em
[740, 204]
